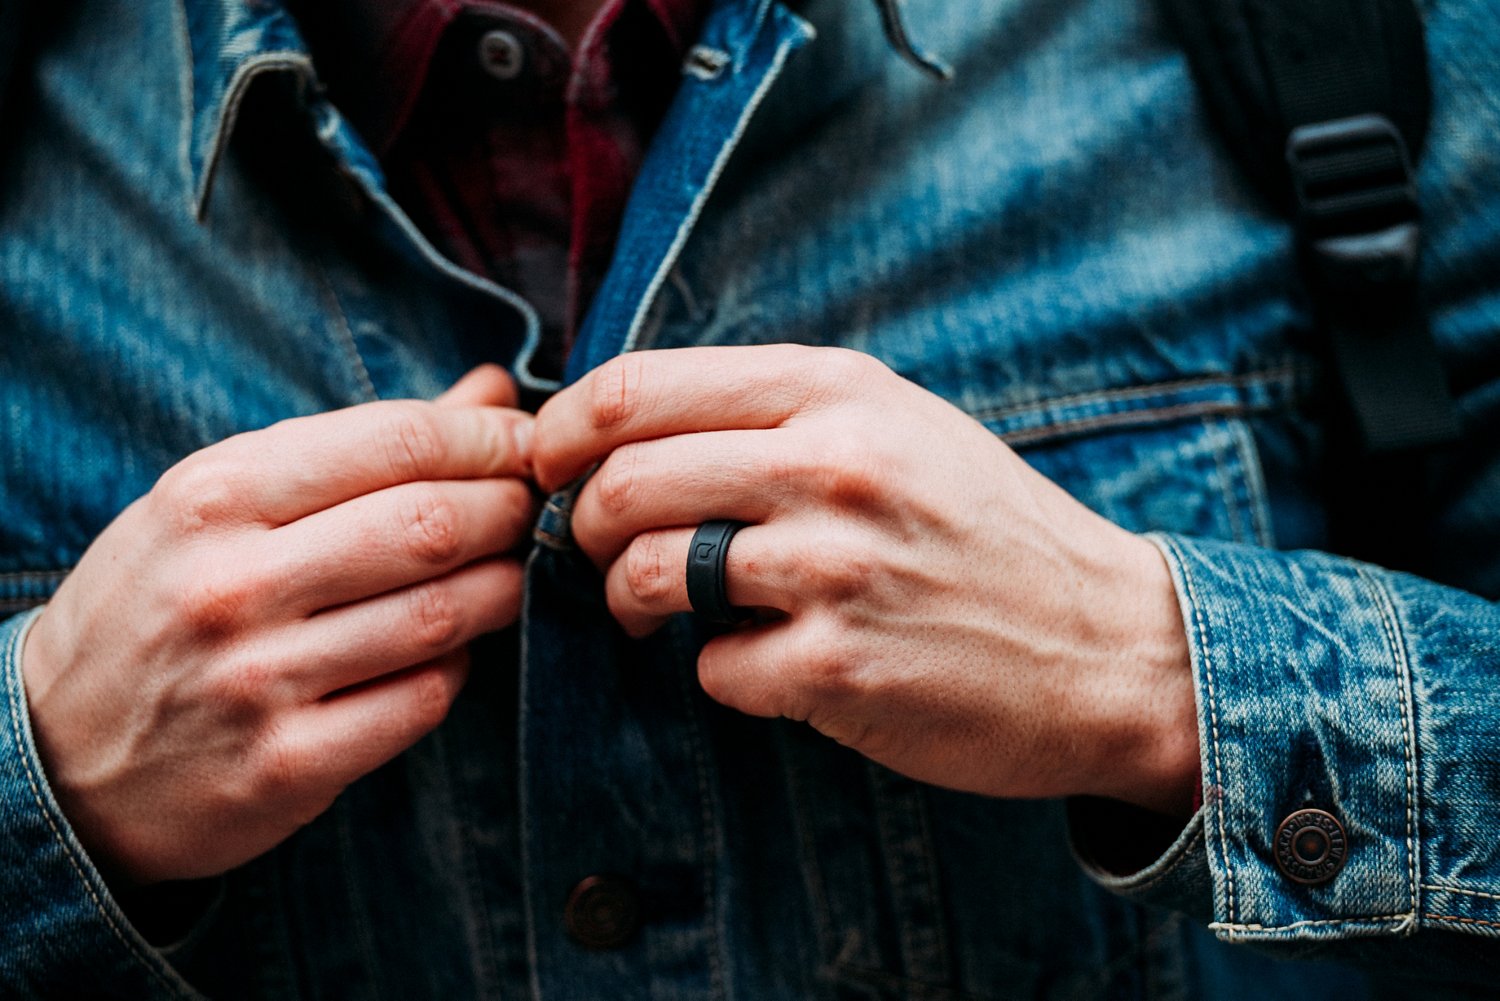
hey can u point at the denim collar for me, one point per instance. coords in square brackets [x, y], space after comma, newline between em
[231, 42]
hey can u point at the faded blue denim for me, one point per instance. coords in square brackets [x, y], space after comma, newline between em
[193, 243]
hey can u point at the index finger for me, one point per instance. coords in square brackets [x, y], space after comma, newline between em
[654, 394]
[305, 464]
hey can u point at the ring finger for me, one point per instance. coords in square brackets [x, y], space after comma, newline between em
[648, 582]
[744, 475]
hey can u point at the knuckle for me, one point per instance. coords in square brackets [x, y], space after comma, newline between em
[844, 573]
[279, 769]
[830, 673]
[432, 696]
[841, 363]
[831, 569]
[617, 479]
[645, 573]
[435, 622]
[412, 441]
[786, 470]
[613, 394]
[846, 367]
[430, 528]
[245, 690]
[851, 476]
[828, 669]
[199, 494]
[804, 571]
[841, 375]
[862, 364]
[212, 605]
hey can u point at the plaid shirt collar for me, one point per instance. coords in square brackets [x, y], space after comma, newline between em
[378, 53]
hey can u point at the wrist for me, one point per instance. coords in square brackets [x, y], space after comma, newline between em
[1146, 746]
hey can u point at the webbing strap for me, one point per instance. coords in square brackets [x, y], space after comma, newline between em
[1266, 67]
[1325, 104]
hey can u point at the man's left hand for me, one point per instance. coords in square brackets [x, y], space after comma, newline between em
[925, 596]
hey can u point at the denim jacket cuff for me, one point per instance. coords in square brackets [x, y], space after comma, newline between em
[56, 905]
[1177, 880]
[1304, 683]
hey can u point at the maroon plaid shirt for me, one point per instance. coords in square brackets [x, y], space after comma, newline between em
[513, 155]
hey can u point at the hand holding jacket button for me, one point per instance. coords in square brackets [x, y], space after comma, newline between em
[297, 604]
[884, 528]
[603, 912]
[1310, 846]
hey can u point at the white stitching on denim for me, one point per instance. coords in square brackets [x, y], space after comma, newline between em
[1215, 430]
[1047, 432]
[185, 95]
[1467, 921]
[1266, 376]
[1255, 481]
[680, 238]
[1320, 922]
[1440, 888]
[1408, 729]
[346, 338]
[12, 662]
[1213, 717]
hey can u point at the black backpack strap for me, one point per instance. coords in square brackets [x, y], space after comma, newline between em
[1325, 103]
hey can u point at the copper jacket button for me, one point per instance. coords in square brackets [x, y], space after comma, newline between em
[603, 912]
[1310, 846]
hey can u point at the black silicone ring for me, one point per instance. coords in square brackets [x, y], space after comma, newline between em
[708, 555]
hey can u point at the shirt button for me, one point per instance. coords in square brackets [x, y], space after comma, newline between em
[603, 912]
[501, 54]
[1310, 846]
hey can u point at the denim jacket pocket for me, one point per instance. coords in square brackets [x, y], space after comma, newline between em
[1199, 475]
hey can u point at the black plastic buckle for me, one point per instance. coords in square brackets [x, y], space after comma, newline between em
[1357, 197]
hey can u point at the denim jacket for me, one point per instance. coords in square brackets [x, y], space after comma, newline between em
[193, 242]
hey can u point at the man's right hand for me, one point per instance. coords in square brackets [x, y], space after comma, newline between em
[281, 614]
